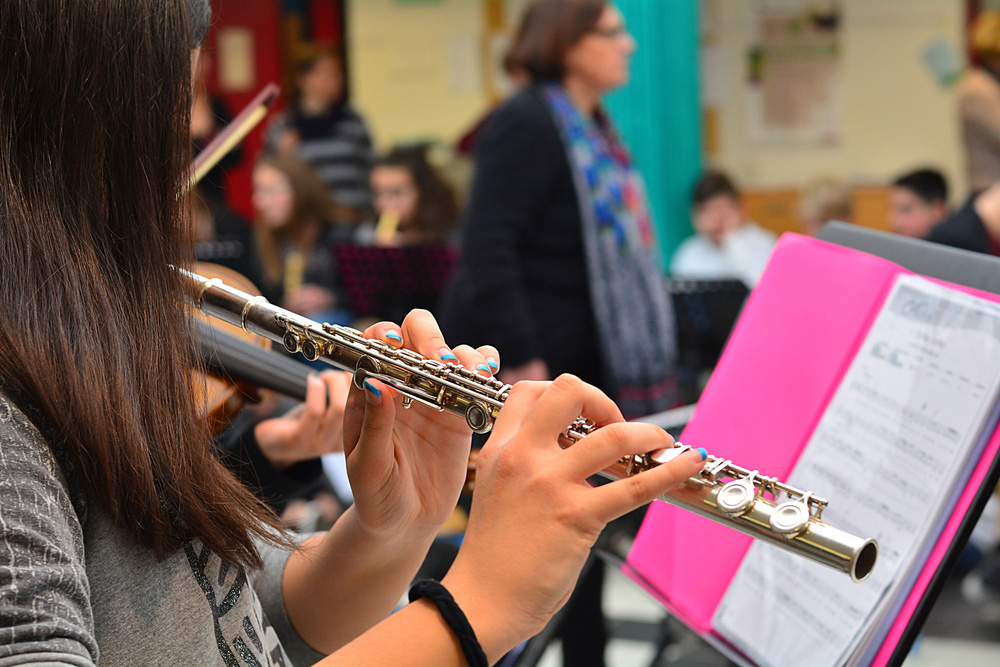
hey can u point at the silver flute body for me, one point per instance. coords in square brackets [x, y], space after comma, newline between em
[755, 504]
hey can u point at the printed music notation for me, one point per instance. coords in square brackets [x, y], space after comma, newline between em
[896, 438]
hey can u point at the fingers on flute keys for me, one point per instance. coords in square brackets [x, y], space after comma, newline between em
[543, 411]
[420, 332]
[625, 495]
[567, 398]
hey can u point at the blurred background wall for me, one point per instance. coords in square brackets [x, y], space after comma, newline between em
[427, 70]
[893, 111]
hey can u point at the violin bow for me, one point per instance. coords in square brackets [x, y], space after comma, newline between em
[235, 132]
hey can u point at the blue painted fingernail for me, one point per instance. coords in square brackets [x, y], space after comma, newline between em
[704, 454]
[493, 364]
[393, 335]
[446, 355]
[484, 368]
[373, 389]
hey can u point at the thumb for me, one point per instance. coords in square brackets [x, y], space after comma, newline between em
[373, 451]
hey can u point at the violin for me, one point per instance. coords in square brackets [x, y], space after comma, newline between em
[227, 386]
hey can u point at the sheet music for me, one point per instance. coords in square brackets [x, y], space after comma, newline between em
[888, 453]
[870, 642]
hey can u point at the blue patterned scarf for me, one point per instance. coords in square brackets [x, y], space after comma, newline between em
[634, 316]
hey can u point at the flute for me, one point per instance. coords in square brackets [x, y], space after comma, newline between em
[743, 499]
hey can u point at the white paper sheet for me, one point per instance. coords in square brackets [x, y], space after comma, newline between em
[887, 453]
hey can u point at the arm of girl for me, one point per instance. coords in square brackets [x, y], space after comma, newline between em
[407, 468]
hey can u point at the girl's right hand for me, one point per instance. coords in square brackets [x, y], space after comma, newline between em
[534, 517]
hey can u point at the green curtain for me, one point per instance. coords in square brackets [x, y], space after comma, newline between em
[658, 112]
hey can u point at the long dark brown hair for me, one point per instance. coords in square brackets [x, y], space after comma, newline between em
[94, 151]
[312, 209]
[546, 32]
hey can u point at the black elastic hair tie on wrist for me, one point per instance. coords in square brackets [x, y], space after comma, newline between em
[453, 616]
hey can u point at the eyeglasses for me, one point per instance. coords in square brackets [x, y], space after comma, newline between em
[617, 32]
[392, 193]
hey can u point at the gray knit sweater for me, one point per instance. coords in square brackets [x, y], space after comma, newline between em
[75, 590]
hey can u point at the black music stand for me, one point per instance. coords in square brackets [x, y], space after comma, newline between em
[705, 312]
[386, 283]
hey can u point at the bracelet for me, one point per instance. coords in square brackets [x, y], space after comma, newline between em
[453, 616]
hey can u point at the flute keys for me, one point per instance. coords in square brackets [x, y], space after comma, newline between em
[294, 342]
[478, 417]
[311, 349]
[291, 342]
[736, 498]
[791, 517]
[365, 366]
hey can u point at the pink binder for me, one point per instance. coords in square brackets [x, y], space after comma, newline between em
[799, 331]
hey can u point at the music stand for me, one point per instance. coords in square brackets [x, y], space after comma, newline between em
[386, 283]
[705, 312]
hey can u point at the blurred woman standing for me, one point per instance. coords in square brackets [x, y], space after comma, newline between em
[558, 268]
[557, 265]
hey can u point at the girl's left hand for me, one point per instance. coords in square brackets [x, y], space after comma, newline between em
[407, 467]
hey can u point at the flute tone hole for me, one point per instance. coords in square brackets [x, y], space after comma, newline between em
[477, 417]
[291, 342]
[365, 366]
[311, 350]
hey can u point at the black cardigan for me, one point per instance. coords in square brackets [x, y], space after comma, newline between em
[963, 229]
[521, 284]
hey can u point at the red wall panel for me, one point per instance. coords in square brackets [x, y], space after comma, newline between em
[263, 19]
[325, 17]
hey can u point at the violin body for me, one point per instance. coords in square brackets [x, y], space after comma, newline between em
[220, 395]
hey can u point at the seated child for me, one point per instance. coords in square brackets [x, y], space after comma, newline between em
[726, 244]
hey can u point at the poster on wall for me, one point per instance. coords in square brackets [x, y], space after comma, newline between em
[237, 62]
[793, 73]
